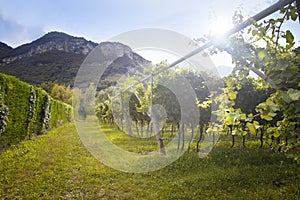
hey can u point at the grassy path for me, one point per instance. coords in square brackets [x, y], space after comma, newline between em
[57, 166]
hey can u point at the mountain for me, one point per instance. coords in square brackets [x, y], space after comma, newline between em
[57, 57]
[53, 41]
[4, 49]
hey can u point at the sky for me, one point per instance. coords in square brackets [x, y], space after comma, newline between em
[98, 20]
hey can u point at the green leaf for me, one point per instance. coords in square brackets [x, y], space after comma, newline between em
[229, 84]
[251, 128]
[294, 14]
[232, 96]
[230, 119]
[274, 108]
[243, 116]
[262, 54]
[256, 124]
[294, 94]
[269, 102]
[231, 109]
[289, 37]
[266, 117]
[276, 133]
[234, 132]
[244, 133]
[262, 106]
[286, 98]
[254, 32]
[272, 114]
[215, 129]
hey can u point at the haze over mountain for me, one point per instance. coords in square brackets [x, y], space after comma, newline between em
[57, 57]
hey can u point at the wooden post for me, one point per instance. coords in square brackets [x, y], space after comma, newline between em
[155, 123]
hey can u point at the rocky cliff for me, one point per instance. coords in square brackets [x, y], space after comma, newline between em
[49, 42]
[57, 57]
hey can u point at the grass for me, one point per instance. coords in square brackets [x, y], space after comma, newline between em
[57, 166]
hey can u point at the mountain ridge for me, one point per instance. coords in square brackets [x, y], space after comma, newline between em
[57, 56]
[50, 41]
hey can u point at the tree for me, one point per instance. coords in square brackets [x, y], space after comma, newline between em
[62, 93]
[47, 86]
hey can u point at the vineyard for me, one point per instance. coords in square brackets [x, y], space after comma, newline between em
[264, 107]
[166, 131]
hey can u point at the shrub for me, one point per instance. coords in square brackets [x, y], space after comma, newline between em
[26, 110]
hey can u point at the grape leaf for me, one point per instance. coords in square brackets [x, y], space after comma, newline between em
[294, 94]
[289, 37]
[251, 128]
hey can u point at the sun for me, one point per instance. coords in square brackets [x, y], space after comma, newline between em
[219, 27]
